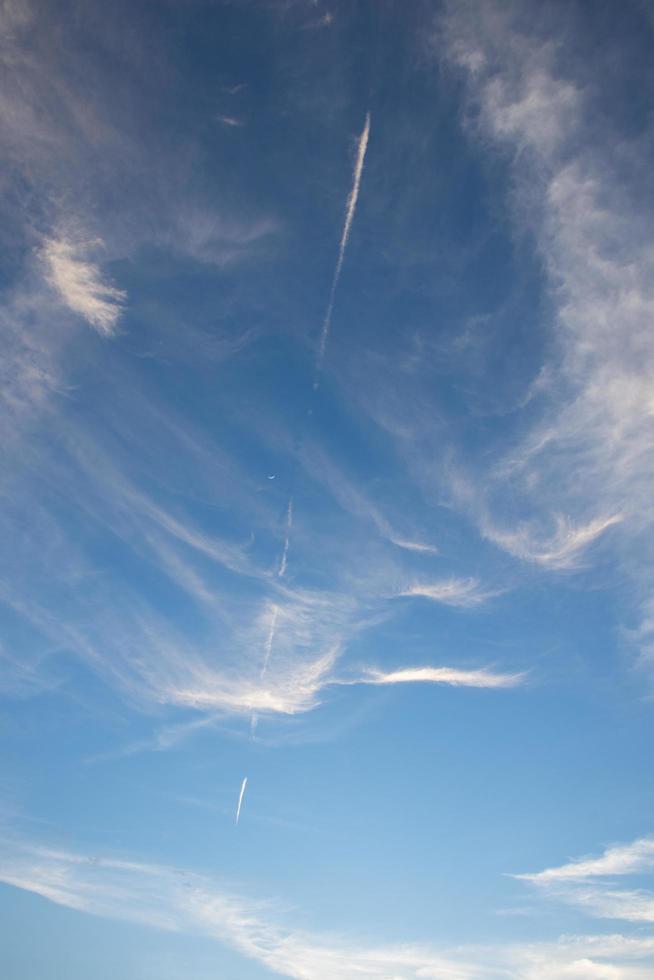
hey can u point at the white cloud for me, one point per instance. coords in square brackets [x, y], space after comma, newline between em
[80, 285]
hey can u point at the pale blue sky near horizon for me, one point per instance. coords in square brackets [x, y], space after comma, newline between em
[327, 605]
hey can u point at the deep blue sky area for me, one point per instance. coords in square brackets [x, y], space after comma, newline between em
[326, 602]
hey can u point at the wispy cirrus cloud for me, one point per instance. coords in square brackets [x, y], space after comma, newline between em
[621, 859]
[290, 690]
[595, 258]
[462, 592]
[588, 883]
[81, 285]
[563, 549]
[167, 898]
[581, 463]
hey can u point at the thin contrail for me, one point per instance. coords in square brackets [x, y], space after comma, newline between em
[240, 799]
[287, 541]
[350, 208]
[266, 660]
[269, 641]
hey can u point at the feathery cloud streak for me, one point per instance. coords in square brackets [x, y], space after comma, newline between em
[81, 287]
[622, 859]
[442, 675]
[462, 592]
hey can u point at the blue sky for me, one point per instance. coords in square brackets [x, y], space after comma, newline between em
[327, 604]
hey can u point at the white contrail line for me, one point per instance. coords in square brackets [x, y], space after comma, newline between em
[269, 641]
[350, 208]
[240, 799]
[289, 526]
[266, 660]
[353, 197]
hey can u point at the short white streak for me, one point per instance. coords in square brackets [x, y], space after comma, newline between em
[442, 675]
[350, 209]
[417, 546]
[81, 287]
[230, 121]
[240, 799]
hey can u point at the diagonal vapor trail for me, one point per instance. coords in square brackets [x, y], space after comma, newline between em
[350, 209]
[240, 799]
